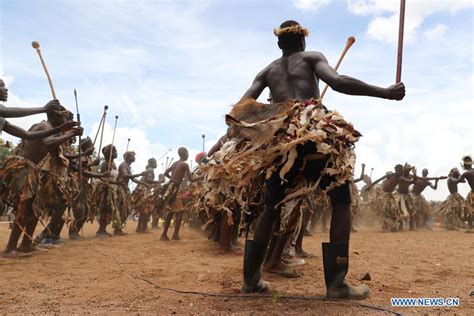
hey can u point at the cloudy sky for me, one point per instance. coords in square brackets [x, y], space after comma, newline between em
[171, 69]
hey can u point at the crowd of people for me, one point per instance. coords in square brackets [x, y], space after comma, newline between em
[280, 169]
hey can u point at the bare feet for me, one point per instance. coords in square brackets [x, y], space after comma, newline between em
[164, 238]
[282, 270]
[16, 255]
[232, 251]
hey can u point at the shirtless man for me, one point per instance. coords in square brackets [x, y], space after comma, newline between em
[469, 205]
[176, 173]
[22, 173]
[296, 75]
[84, 203]
[405, 202]
[123, 191]
[452, 208]
[141, 196]
[423, 209]
[391, 214]
[106, 191]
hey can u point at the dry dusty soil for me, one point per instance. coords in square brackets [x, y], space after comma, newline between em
[139, 274]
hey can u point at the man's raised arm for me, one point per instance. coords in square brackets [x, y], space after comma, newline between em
[349, 85]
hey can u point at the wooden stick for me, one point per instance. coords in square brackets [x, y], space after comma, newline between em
[36, 46]
[112, 147]
[349, 43]
[171, 161]
[80, 151]
[102, 132]
[128, 143]
[102, 120]
[161, 157]
[401, 28]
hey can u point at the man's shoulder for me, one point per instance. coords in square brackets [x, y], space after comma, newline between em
[182, 163]
[41, 125]
[313, 55]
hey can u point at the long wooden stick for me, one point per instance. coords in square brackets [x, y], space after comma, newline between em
[36, 46]
[401, 28]
[101, 123]
[102, 133]
[349, 43]
[80, 151]
[169, 149]
[112, 146]
[128, 143]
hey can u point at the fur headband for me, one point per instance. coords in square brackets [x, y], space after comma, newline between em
[294, 29]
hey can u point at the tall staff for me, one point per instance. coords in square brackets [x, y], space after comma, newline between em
[36, 46]
[400, 42]
[80, 151]
[349, 43]
[102, 120]
[101, 131]
[128, 143]
[203, 139]
[111, 148]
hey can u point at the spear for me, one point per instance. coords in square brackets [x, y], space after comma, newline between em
[371, 170]
[80, 151]
[113, 139]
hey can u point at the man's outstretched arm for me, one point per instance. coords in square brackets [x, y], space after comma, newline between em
[20, 112]
[352, 86]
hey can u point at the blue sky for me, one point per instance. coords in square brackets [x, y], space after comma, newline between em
[171, 69]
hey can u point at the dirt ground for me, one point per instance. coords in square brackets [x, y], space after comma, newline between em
[123, 275]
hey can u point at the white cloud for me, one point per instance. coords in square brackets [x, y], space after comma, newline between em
[436, 32]
[310, 5]
[385, 21]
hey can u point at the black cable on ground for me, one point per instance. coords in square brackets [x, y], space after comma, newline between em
[243, 296]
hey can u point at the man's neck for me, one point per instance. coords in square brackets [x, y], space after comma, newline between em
[288, 52]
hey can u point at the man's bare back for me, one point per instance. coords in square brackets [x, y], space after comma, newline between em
[296, 75]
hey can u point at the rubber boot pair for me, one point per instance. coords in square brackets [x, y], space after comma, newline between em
[336, 265]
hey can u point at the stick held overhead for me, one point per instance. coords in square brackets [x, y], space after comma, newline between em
[36, 46]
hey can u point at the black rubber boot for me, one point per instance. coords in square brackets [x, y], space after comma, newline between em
[336, 265]
[253, 258]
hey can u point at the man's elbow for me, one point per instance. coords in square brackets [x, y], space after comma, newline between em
[338, 84]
